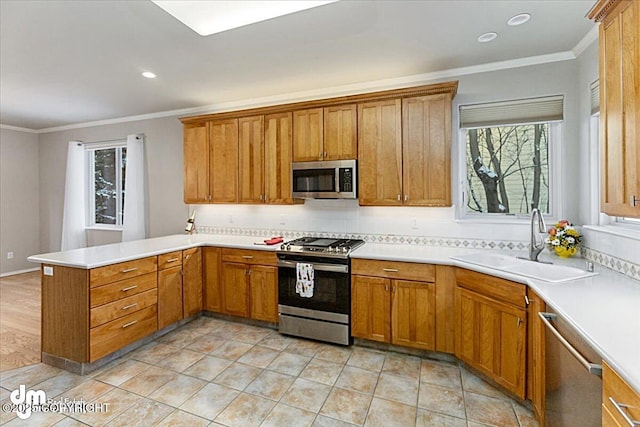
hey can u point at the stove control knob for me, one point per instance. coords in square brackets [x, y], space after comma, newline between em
[345, 249]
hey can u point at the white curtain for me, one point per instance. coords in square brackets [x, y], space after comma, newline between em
[134, 223]
[74, 215]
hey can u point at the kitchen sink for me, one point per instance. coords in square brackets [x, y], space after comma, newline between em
[547, 272]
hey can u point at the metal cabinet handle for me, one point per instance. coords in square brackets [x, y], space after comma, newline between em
[621, 407]
[129, 270]
[126, 325]
[325, 154]
[406, 197]
[390, 270]
[173, 260]
[519, 321]
[633, 200]
[593, 368]
[386, 288]
[526, 300]
[398, 197]
[393, 288]
[247, 256]
[129, 288]
[127, 307]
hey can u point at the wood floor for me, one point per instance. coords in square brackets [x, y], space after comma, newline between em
[19, 320]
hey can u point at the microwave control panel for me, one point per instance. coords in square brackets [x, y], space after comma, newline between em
[345, 175]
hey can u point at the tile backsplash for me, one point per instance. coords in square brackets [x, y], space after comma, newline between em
[406, 225]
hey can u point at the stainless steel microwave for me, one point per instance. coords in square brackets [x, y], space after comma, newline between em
[324, 180]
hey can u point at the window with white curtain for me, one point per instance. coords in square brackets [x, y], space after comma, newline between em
[511, 157]
[107, 174]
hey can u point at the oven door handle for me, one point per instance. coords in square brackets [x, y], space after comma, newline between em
[334, 268]
[593, 368]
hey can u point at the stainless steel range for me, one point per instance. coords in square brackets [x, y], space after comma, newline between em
[314, 288]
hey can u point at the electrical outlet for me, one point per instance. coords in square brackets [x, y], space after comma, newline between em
[9, 255]
[282, 221]
[414, 223]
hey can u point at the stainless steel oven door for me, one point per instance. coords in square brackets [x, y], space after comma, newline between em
[331, 289]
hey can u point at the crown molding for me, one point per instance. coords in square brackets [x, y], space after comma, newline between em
[18, 129]
[586, 41]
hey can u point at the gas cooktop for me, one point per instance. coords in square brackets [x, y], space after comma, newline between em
[321, 246]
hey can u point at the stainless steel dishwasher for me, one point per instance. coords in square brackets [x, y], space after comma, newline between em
[573, 376]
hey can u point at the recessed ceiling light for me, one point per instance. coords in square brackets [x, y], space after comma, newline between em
[207, 17]
[487, 37]
[518, 19]
[149, 75]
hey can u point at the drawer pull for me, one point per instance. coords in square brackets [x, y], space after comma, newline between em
[129, 288]
[173, 260]
[390, 270]
[127, 307]
[129, 270]
[621, 407]
[247, 256]
[126, 325]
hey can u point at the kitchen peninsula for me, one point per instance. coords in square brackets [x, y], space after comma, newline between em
[603, 308]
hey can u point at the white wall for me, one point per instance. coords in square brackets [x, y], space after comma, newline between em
[163, 144]
[19, 204]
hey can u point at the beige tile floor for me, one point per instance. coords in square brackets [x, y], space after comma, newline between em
[212, 372]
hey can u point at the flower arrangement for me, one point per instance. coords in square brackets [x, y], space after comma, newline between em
[564, 239]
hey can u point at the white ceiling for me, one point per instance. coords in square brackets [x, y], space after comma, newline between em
[69, 62]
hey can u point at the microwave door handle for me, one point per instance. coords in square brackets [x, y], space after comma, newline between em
[334, 268]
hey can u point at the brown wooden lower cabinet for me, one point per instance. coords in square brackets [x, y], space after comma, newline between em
[491, 329]
[192, 282]
[169, 296]
[249, 284]
[211, 259]
[627, 400]
[391, 309]
[536, 356]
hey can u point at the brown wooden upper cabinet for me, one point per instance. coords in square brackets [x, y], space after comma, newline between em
[328, 133]
[277, 158]
[196, 163]
[251, 159]
[401, 138]
[404, 152]
[619, 105]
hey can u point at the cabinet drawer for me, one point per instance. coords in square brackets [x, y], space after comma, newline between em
[122, 289]
[249, 257]
[492, 287]
[615, 387]
[118, 333]
[172, 259]
[122, 307]
[394, 269]
[124, 270]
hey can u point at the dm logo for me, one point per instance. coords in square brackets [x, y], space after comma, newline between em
[25, 400]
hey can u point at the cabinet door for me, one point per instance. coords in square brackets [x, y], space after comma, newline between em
[169, 296]
[223, 155]
[620, 110]
[370, 306]
[535, 355]
[341, 132]
[413, 314]
[263, 281]
[212, 277]
[380, 153]
[196, 163]
[251, 159]
[307, 135]
[192, 282]
[491, 337]
[426, 150]
[235, 291]
[277, 158]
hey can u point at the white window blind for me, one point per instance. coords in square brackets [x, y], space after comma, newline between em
[521, 111]
[595, 97]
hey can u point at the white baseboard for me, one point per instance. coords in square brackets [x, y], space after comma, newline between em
[13, 273]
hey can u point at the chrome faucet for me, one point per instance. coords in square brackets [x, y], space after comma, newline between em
[536, 247]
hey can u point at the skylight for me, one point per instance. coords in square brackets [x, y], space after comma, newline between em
[210, 17]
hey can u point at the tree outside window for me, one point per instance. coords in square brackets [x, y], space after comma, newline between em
[508, 169]
[108, 178]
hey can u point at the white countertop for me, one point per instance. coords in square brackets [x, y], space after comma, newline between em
[604, 309]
